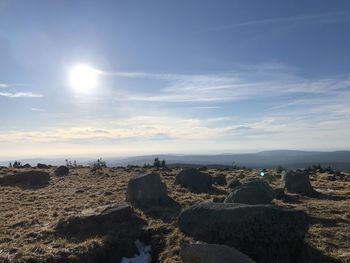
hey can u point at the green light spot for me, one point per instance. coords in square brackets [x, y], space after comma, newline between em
[262, 174]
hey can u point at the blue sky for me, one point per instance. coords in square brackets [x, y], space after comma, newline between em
[174, 77]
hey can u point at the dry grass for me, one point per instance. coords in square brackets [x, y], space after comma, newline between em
[27, 216]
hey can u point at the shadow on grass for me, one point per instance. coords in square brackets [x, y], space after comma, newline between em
[327, 222]
[291, 199]
[313, 255]
[217, 191]
[331, 197]
[165, 213]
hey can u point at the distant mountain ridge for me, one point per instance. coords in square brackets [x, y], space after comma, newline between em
[266, 159]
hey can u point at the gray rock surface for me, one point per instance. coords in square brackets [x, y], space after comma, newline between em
[95, 220]
[194, 180]
[297, 182]
[26, 179]
[61, 171]
[232, 183]
[257, 191]
[147, 190]
[212, 253]
[219, 179]
[264, 232]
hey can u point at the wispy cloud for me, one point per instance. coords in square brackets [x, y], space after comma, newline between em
[37, 109]
[8, 85]
[20, 95]
[206, 107]
[306, 18]
[267, 82]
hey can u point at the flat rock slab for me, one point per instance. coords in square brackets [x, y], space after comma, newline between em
[98, 220]
[212, 253]
[26, 179]
[264, 232]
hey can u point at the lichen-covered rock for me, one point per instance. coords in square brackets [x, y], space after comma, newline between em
[96, 220]
[297, 182]
[61, 171]
[26, 179]
[253, 192]
[233, 183]
[147, 190]
[264, 232]
[219, 179]
[194, 180]
[42, 166]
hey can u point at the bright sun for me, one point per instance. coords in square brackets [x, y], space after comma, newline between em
[83, 78]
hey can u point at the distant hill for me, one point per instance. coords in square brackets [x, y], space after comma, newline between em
[266, 159]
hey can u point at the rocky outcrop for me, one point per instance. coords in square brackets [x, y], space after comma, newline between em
[30, 179]
[117, 226]
[96, 220]
[194, 180]
[61, 171]
[212, 253]
[253, 192]
[233, 183]
[42, 166]
[279, 193]
[147, 190]
[264, 232]
[219, 179]
[297, 182]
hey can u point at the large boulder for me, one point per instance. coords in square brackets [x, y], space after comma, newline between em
[26, 179]
[212, 253]
[147, 190]
[219, 179]
[42, 166]
[115, 226]
[233, 183]
[61, 171]
[264, 232]
[297, 182]
[97, 220]
[253, 192]
[194, 180]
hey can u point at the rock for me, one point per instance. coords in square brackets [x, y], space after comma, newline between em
[26, 179]
[27, 165]
[297, 182]
[232, 183]
[279, 193]
[115, 226]
[264, 232]
[194, 180]
[212, 253]
[42, 166]
[219, 179]
[97, 220]
[147, 190]
[253, 192]
[61, 171]
[219, 199]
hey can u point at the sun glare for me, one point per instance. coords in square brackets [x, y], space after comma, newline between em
[83, 78]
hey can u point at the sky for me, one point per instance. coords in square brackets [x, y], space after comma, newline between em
[196, 76]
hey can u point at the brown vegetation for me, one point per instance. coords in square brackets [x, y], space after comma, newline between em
[28, 216]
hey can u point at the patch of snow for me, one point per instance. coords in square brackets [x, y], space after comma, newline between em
[144, 254]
